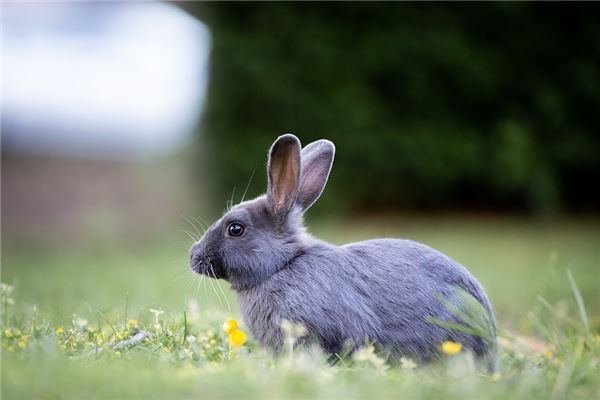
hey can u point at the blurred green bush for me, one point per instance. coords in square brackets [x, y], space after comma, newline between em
[430, 105]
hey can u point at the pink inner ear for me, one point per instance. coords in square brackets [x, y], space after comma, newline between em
[284, 174]
[285, 180]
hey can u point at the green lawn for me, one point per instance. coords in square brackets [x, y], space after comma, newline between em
[522, 264]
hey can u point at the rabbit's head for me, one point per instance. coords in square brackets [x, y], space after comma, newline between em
[257, 238]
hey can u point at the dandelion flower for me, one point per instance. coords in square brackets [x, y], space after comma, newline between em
[22, 343]
[132, 323]
[237, 338]
[8, 333]
[451, 348]
[229, 326]
[59, 331]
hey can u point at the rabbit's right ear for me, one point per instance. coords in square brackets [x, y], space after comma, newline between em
[284, 170]
[317, 159]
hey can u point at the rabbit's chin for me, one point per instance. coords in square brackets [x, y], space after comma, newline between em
[209, 267]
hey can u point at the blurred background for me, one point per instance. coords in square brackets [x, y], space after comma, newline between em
[128, 126]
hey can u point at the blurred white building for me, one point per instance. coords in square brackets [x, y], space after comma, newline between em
[101, 80]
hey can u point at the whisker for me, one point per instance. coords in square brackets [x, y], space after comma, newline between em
[214, 289]
[197, 281]
[247, 186]
[221, 289]
[203, 280]
[192, 224]
[192, 282]
[189, 234]
[231, 199]
[185, 271]
[188, 283]
[202, 223]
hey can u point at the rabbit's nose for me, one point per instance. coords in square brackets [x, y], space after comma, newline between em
[195, 258]
[196, 250]
[196, 261]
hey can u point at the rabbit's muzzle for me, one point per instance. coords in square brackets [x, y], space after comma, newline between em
[206, 265]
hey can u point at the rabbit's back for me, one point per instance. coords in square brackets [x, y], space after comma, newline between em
[383, 291]
[410, 271]
[413, 283]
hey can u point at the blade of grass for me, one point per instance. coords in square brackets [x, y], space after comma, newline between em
[579, 301]
[184, 328]
[109, 323]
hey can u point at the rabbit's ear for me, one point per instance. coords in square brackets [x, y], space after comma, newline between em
[317, 159]
[284, 174]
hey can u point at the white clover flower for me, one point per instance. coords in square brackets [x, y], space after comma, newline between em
[367, 355]
[407, 363]
[156, 312]
[81, 322]
[190, 339]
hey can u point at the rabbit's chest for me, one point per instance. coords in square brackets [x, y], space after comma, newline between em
[263, 314]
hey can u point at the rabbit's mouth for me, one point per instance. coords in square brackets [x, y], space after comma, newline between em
[208, 266]
[216, 270]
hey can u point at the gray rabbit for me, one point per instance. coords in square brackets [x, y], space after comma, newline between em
[398, 294]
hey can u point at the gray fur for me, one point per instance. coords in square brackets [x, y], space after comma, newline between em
[381, 291]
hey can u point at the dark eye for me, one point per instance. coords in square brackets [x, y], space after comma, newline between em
[235, 229]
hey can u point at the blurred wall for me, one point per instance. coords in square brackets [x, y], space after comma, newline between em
[431, 105]
[63, 200]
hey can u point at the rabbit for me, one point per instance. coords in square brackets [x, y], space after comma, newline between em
[382, 291]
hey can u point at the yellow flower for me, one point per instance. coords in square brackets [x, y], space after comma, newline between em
[598, 339]
[59, 331]
[8, 333]
[237, 338]
[451, 348]
[229, 326]
[22, 343]
[548, 354]
[132, 323]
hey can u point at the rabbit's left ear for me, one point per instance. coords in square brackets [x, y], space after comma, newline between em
[283, 175]
[317, 159]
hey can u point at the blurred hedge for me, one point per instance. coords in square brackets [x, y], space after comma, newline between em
[430, 105]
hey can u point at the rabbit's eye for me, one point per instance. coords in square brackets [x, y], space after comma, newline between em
[235, 229]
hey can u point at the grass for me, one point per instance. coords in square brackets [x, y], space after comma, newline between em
[74, 308]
